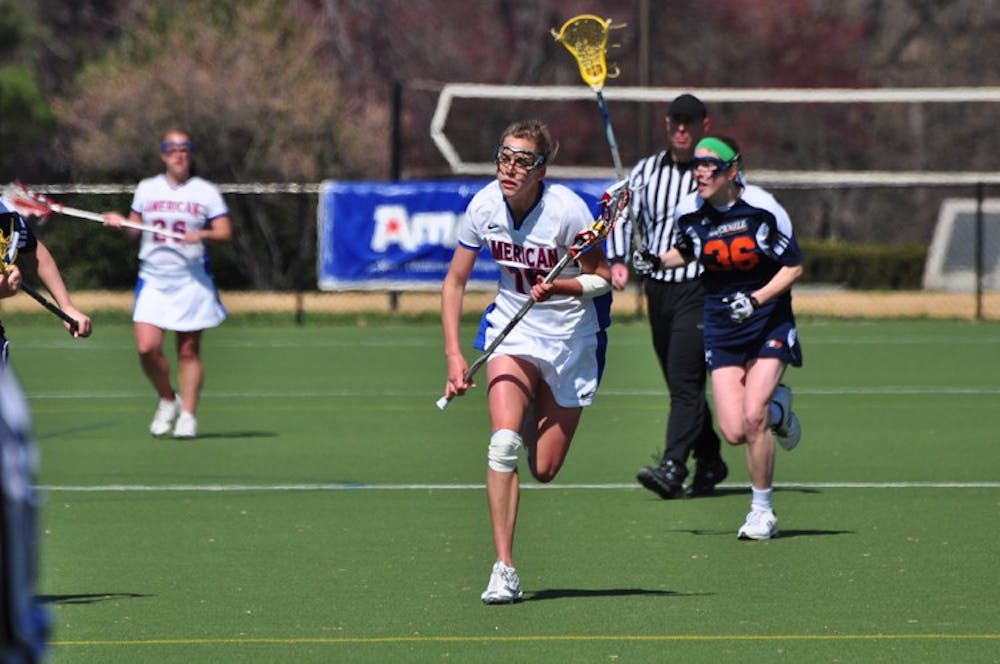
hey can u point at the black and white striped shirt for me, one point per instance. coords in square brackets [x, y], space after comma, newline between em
[661, 185]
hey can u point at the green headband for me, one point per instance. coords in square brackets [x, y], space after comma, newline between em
[717, 146]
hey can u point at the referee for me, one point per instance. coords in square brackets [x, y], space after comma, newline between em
[674, 299]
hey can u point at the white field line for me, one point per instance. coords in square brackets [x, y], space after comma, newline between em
[352, 486]
[881, 390]
[860, 339]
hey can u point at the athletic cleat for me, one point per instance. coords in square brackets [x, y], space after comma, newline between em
[186, 427]
[706, 477]
[792, 436]
[667, 481]
[760, 525]
[788, 431]
[504, 586]
[783, 397]
[166, 412]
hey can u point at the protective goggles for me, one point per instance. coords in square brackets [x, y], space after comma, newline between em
[713, 163]
[170, 147]
[519, 158]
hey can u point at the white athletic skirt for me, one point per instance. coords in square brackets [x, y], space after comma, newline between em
[570, 367]
[193, 305]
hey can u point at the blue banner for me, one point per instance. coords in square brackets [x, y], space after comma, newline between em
[401, 235]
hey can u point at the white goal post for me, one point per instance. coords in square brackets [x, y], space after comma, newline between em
[798, 178]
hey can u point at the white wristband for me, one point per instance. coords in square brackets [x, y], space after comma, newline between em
[593, 285]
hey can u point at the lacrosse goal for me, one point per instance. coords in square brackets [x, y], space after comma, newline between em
[966, 243]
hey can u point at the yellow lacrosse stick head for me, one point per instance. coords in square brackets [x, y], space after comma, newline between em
[8, 240]
[586, 38]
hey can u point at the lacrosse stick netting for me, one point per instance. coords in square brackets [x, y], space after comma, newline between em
[614, 203]
[586, 38]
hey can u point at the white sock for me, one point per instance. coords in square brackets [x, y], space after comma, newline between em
[761, 498]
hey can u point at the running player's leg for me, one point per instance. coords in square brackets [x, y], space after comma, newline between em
[555, 429]
[190, 370]
[762, 376]
[149, 344]
[727, 393]
[512, 383]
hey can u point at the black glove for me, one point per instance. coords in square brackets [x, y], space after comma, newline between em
[645, 261]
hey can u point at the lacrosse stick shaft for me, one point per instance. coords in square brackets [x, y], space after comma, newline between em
[609, 131]
[442, 403]
[616, 157]
[42, 300]
[617, 191]
[93, 216]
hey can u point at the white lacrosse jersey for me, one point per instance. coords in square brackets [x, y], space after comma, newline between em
[531, 249]
[190, 206]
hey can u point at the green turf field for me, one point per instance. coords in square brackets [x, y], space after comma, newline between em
[330, 513]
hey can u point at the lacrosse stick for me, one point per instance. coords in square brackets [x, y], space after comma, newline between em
[74, 326]
[8, 254]
[613, 205]
[29, 203]
[586, 38]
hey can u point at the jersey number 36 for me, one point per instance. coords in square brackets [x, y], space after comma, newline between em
[739, 253]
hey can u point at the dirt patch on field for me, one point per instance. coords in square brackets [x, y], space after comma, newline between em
[892, 304]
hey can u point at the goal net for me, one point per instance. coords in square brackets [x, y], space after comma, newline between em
[966, 240]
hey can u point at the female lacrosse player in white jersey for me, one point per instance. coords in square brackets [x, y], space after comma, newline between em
[175, 290]
[548, 368]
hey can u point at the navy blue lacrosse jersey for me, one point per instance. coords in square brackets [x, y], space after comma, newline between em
[741, 248]
[26, 241]
[23, 621]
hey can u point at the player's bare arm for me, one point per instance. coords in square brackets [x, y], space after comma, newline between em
[48, 272]
[221, 230]
[779, 283]
[452, 294]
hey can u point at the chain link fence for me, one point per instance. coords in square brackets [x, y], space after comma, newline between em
[877, 266]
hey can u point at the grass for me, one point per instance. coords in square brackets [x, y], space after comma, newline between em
[329, 512]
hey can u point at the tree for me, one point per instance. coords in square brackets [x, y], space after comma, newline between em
[249, 81]
[26, 119]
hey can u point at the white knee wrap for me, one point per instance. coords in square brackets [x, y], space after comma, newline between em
[505, 447]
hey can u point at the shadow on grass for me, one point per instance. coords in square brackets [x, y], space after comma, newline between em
[87, 599]
[238, 434]
[787, 534]
[730, 490]
[782, 534]
[69, 433]
[569, 593]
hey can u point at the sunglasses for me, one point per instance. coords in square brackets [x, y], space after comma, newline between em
[519, 159]
[173, 147]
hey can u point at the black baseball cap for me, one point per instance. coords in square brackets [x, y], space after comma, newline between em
[687, 106]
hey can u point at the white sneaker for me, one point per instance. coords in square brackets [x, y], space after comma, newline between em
[760, 525]
[504, 586]
[166, 413]
[186, 427]
[788, 431]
